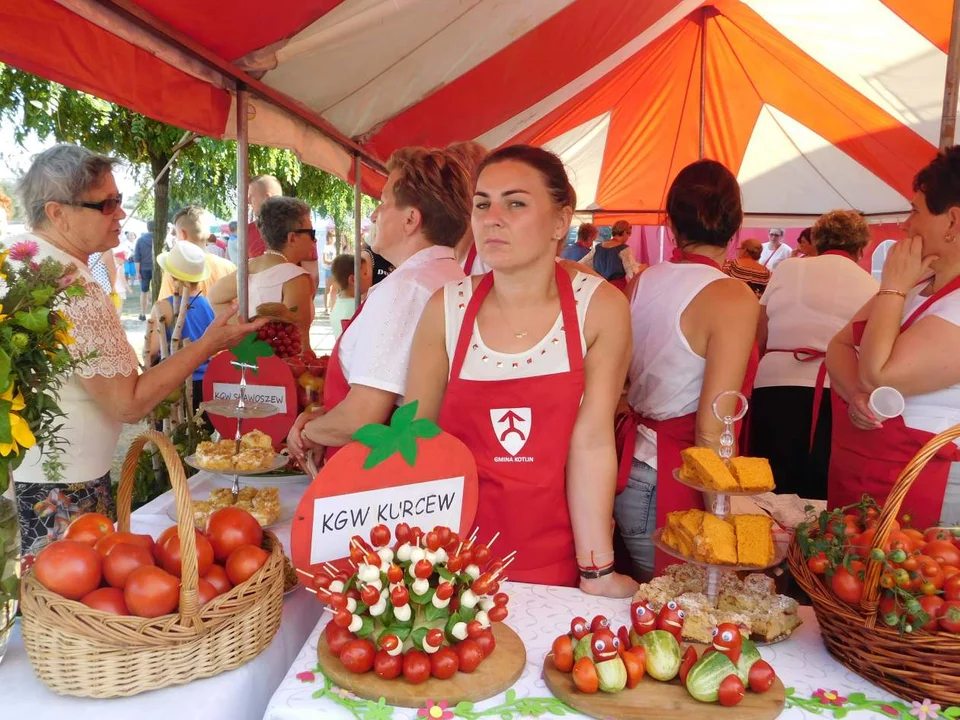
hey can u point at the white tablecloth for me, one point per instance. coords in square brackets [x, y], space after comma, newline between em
[539, 613]
[236, 695]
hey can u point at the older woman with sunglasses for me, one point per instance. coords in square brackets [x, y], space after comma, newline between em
[74, 211]
[277, 276]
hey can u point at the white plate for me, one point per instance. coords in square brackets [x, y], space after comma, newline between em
[229, 408]
[779, 553]
[279, 461]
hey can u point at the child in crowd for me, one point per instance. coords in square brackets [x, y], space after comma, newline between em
[341, 270]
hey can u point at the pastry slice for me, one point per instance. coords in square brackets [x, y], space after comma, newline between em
[754, 539]
[752, 474]
[708, 469]
[717, 542]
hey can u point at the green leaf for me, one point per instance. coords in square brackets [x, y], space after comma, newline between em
[404, 415]
[4, 370]
[35, 321]
[444, 573]
[5, 434]
[425, 428]
[422, 599]
[467, 614]
[75, 291]
[399, 630]
[366, 630]
[407, 444]
[434, 613]
[381, 453]
[418, 636]
[42, 295]
[857, 698]
[952, 712]
[372, 435]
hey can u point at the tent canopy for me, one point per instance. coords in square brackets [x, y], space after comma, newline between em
[814, 105]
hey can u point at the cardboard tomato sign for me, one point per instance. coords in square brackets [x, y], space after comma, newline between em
[409, 471]
[271, 382]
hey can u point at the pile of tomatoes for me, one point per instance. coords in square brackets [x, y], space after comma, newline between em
[128, 574]
[920, 579]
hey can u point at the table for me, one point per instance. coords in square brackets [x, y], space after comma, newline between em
[540, 613]
[239, 694]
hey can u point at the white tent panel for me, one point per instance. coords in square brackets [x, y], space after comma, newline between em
[788, 168]
[581, 150]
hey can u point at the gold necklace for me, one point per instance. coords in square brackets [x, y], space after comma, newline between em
[518, 335]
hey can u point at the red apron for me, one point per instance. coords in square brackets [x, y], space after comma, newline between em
[869, 461]
[335, 385]
[471, 259]
[519, 432]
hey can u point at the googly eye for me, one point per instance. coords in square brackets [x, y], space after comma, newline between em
[727, 636]
[616, 643]
[715, 632]
[641, 610]
[599, 645]
[672, 605]
[681, 614]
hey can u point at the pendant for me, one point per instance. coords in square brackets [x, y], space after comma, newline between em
[520, 335]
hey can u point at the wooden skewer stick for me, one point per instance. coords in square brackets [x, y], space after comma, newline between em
[305, 574]
[353, 564]
[505, 566]
[509, 557]
[459, 548]
[331, 570]
[493, 540]
[473, 535]
[309, 589]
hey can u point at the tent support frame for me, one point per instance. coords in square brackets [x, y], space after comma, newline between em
[243, 182]
[357, 246]
[948, 124]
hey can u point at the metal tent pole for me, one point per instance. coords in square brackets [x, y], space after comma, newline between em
[188, 137]
[948, 124]
[243, 180]
[357, 249]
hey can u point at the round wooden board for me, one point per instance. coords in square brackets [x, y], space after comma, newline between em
[655, 700]
[494, 675]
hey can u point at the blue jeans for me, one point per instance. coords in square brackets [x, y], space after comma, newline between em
[635, 511]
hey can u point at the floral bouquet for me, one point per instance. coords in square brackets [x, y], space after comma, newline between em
[34, 364]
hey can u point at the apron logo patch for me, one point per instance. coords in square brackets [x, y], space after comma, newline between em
[512, 427]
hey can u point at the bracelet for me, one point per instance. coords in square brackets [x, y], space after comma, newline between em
[594, 573]
[890, 291]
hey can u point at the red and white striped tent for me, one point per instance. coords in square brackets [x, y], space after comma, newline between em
[815, 104]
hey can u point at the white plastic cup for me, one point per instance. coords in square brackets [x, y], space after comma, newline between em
[886, 402]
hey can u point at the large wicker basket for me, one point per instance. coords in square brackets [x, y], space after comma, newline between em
[914, 665]
[76, 650]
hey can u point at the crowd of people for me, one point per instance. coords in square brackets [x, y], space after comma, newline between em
[575, 374]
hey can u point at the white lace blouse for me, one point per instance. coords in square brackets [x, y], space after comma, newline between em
[90, 435]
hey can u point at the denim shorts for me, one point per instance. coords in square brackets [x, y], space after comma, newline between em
[635, 511]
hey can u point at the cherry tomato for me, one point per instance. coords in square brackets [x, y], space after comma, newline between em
[635, 668]
[122, 560]
[399, 596]
[89, 528]
[951, 588]
[888, 581]
[394, 574]
[501, 599]
[445, 590]
[343, 618]
[949, 616]
[444, 532]
[474, 629]
[106, 543]
[380, 536]
[937, 534]
[930, 571]
[931, 606]
[949, 571]
[481, 554]
[230, 527]
[453, 542]
[69, 568]
[337, 637]
[563, 653]
[416, 535]
[818, 563]
[847, 587]
[444, 663]
[688, 661]
[370, 595]
[170, 554]
[578, 627]
[434, 638]
[585, 676]
[217, 576]
[107, 599]
[943, 551]
[731, 691]
[493, 588]
[928, 588]
[387, 666]
[402, 533]
[486, 642]
[916, 537]
[205, 592]
[372, 558]
[888, 604]
[357, 655]
[761, 676]
[432, 541]
[455, 563]
[423, 569]
[416, 666]
[498, 613]
[321, 581]
[244, 562]
[470, 655]
[151, 592]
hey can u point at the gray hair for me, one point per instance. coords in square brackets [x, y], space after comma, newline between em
[278, 217]
[61, 174]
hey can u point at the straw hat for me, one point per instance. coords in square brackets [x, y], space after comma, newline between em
[185, 262]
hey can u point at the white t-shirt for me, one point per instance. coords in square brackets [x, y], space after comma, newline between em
[808, 301]
[938, 410]
[89, 434]
[770, 258]
[375, 349]
[266, 286]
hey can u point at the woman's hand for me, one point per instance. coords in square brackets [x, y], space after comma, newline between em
[297, 444]
[613, 585]
[860, 413]
[905, 265]
[222, 335]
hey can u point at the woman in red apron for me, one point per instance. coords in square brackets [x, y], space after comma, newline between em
[525, 366]
[693, 338]
[424, 210]
[806, 303]
[908, 338]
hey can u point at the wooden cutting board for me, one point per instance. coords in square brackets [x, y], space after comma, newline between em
[493, 676]
[655, 700]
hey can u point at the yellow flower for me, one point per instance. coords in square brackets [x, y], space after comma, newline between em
[63, 337]
[2, 316]
[20, 434]
[3, 259]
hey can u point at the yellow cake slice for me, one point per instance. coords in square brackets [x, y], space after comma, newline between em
[717, 542]
[707, 469]
[752, 474]
[754, 539]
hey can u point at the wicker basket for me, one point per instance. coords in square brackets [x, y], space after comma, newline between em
[914, 665]
[76, 650]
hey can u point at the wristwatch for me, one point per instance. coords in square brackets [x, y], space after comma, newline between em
[594, 574]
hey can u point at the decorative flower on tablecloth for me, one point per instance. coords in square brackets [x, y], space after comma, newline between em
[306, 676]
[435, 711]
[890, 710]
[829, 697]
[926, 710]
[342, 693]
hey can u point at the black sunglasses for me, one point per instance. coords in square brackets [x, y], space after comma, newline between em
[307, 231]
[107, 207]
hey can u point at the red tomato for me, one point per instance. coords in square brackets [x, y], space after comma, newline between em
[563, 653]
[337, 637]
[106, 543]
[916, 537]
[931, 606]
[469, 653]
[585, 676]
[937, 534]
[761, 676]
[949, 616]
[69, 568]
[244, 562]
[888, 604]
[89, 528]
[357, 655]
[161, 541]
[217, 577]
[949, 571]
[847, 587]
[229, 528]
[486, 642]
[930, 571]
[818, 563]
[387, 666]
[688, 661]
[943, 551]
[951, 588]
[731, 691]
[170, 554]
[205, 592]
[151, 592]
[416, 666]
[122, 560]
[107, 599]
[444, 663]
[635, 668]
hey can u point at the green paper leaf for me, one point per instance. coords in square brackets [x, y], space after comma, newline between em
[372, 435]
[381, 453]
[857, 698]
[424, 428]
[403, 416]
[251, 349]
[407, 444]
[35, 321]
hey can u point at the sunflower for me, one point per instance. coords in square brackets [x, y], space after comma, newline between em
[20, 433]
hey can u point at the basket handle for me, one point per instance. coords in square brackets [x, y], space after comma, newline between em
[870, 602]
[189, 576]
